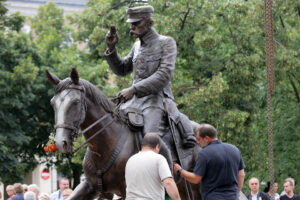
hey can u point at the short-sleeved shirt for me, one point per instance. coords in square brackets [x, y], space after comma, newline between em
[17, 197]
[56, 195]
[144, 173]
[295, 197]
[218, 164]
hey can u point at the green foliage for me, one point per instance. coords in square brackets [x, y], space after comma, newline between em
[13, 22]
[18, 74]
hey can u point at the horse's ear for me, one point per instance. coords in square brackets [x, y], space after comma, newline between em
[52, 78]
[74, 76]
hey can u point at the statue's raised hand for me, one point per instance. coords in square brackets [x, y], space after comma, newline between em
[112, 38]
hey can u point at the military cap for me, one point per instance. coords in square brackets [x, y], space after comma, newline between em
[136, 14]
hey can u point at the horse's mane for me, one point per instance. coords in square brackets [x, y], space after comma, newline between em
[92, 92]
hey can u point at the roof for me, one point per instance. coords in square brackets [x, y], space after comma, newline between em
[80, 3]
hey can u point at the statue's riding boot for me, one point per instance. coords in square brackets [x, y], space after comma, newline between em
[165, 151]
[187, 134]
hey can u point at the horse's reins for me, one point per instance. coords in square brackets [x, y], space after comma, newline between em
[95, 134]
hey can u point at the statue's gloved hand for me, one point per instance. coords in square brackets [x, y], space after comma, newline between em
[112, 38]
[127, 93]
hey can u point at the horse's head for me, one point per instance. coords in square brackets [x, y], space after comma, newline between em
[69, 106]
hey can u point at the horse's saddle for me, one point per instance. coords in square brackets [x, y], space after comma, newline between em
[135, 119]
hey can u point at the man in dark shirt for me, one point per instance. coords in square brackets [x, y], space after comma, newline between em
[289, 185]
[219, 166]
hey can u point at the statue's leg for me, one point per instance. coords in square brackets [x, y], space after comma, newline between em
[153, 118]
[185, 128]
[183, 124]
[84, 191]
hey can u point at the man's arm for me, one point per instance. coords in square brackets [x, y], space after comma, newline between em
[241, 176]
[189, 176]
[171, 188]
[120, 66]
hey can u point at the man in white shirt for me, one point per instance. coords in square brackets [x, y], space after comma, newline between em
[63, 184]
[255, 194]
[147, 173]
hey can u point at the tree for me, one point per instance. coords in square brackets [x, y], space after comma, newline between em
[18, 73]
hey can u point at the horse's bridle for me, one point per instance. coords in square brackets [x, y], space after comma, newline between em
[76, 127]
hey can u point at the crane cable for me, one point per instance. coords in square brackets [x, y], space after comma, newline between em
[269, 48]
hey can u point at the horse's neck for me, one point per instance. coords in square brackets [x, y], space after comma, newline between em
[93, 113]
[106, 139]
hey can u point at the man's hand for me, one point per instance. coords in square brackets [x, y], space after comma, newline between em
[127, 93]
[176, 167]
[112, 38]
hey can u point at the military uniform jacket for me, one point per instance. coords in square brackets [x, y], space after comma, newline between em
[152, 61]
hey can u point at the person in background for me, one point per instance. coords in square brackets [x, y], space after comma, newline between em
[30, 196]
[25, 188]
[289, 185]
[18, 188]
[63, 184]
[0, 195]
[34, 188]
[44, 196]
[255, 194]
[268, 191]
[10, 191]
[66, 193]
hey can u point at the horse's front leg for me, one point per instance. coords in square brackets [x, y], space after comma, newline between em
[84, 191]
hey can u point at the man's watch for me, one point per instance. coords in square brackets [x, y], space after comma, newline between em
[179, 172]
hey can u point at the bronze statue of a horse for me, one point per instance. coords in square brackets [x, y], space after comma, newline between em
[78, 104]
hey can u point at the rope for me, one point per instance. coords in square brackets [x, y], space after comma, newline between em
[270, 84]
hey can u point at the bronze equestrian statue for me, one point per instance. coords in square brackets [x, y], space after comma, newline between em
[78, 104]
[108, 127]
[152, 61]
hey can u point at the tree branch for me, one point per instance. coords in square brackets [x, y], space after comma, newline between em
[234, 40]
[282, 23]
[280, 44]
[184, 19]
[295, 89]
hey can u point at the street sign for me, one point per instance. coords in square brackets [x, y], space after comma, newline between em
[45, 174]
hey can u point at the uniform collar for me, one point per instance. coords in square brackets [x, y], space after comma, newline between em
[149, 36]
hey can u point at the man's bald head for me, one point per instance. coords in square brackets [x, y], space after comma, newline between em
[151, 140]
[207, 130]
